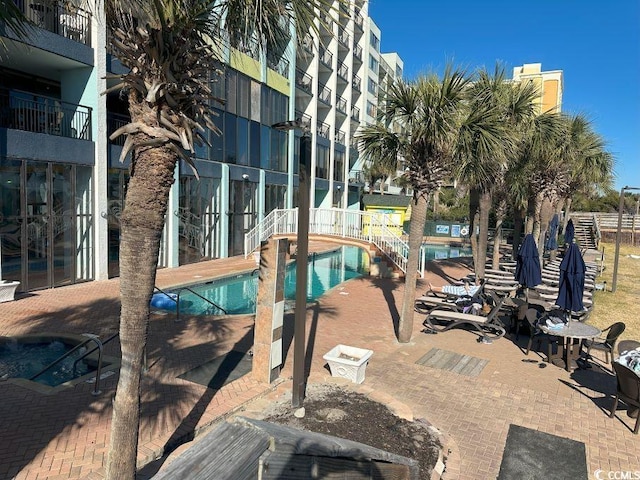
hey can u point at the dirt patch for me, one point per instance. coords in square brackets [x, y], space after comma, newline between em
[353, 416]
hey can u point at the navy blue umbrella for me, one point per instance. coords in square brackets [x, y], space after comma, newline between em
[571, 286]
[552, 241]
[528, 263]
[569, 232]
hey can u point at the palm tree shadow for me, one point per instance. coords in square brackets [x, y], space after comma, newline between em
[592, 381]
[388, 286]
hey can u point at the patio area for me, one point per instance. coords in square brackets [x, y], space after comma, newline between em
[66, 435]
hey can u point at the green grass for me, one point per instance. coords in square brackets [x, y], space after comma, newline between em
[624, 304]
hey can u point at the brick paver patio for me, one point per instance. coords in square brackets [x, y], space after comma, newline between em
[65, 435]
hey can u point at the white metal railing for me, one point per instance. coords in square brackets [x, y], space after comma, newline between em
[376, 228]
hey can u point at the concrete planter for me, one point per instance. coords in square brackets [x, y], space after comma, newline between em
[7, 290]
[348, 362]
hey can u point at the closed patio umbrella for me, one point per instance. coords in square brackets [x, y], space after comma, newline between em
[571, 287]
[552, 241]
[569, 232]
[528, 272]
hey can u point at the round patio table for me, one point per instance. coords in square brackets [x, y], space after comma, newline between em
[573, 333]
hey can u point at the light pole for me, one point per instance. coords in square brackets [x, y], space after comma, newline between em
[300, 314]
[614, 282]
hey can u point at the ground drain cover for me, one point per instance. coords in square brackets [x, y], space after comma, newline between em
[453, 362]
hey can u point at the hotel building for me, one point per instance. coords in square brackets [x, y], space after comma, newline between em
[62, 187]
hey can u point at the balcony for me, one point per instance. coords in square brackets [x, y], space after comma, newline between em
[304, 81]
[358, 20]
[307, 43]
[72, 23]
[326, 57]
[356, 82]
[114, 122]
[343, 71]
[340, 136]
[281, 66]
[324, 94]
[357, 53]
[34, 113]
[355, 113]
[341, 105]
[305, 120]
[356, 176]
[323, 130]
[343, 38]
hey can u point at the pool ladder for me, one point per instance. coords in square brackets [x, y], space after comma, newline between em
[99, 345]
[177, 300]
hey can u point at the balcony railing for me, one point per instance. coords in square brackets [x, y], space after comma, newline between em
[114, 122]
[340, 136]
[343, 37]
[356, 176]
[304, 81]
[341, 105]
[323, 130]
[326, 57]
[305, 119]
[357, 52]
[355, 113]
[307, 43]
[358, 20]
[324, 94]
[343, 71]
[72, 23]
[34, 113]
[281, 66]
[356, 82]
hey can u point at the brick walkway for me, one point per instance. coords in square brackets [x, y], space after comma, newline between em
[65, 435]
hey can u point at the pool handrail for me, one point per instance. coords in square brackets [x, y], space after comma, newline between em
[199, 296]
[90, 338]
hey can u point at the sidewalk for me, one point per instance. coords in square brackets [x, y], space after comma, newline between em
[66, 435]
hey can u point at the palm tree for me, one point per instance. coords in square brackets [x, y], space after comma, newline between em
[486, 141]
[171, 48]
[430, 110]
[14, 21]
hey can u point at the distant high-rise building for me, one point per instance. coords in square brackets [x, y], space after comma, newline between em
[549, 85]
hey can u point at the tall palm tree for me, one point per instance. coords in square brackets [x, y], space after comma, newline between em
[14, 21]
[171, 48]
[485, 143]
[430, 110]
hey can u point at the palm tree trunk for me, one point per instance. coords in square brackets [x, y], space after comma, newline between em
[518, 222]
[567, 210]
[416, 234]
[142, 222]
[537, 206]
[474, 216]
[530, 215]
[497, 240]
[483, 238]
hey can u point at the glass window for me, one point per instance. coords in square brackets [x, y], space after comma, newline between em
[371, 109]
[265, 150]
[218, 87]
[243, 96]
[373, 86]
[373, 64]
[231, 91]
[398, 72]
[265, 101]
[322, 162]
[229, 138]
[278, 151]
[254, 144]
[338, 167]
[217, 139]
[256, 88]
[375, 42]
[243, 141]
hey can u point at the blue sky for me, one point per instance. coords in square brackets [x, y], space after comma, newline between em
[596, 43]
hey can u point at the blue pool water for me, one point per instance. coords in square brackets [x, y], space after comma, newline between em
[237, 295]
[23, 360]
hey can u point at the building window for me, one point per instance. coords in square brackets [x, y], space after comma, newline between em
[371, 109]
[373, 86]
[398, 72]
[375, 42]
[322, 162]
[373, 64]
[338, 167]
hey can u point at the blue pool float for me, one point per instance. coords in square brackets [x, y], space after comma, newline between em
[165, 301]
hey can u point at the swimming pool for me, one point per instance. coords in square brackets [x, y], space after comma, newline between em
[237, 295]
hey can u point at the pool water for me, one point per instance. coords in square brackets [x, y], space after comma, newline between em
[23, 360]
[237, 295]
[439, 252]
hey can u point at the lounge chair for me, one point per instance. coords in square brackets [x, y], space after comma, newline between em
[489, 327]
